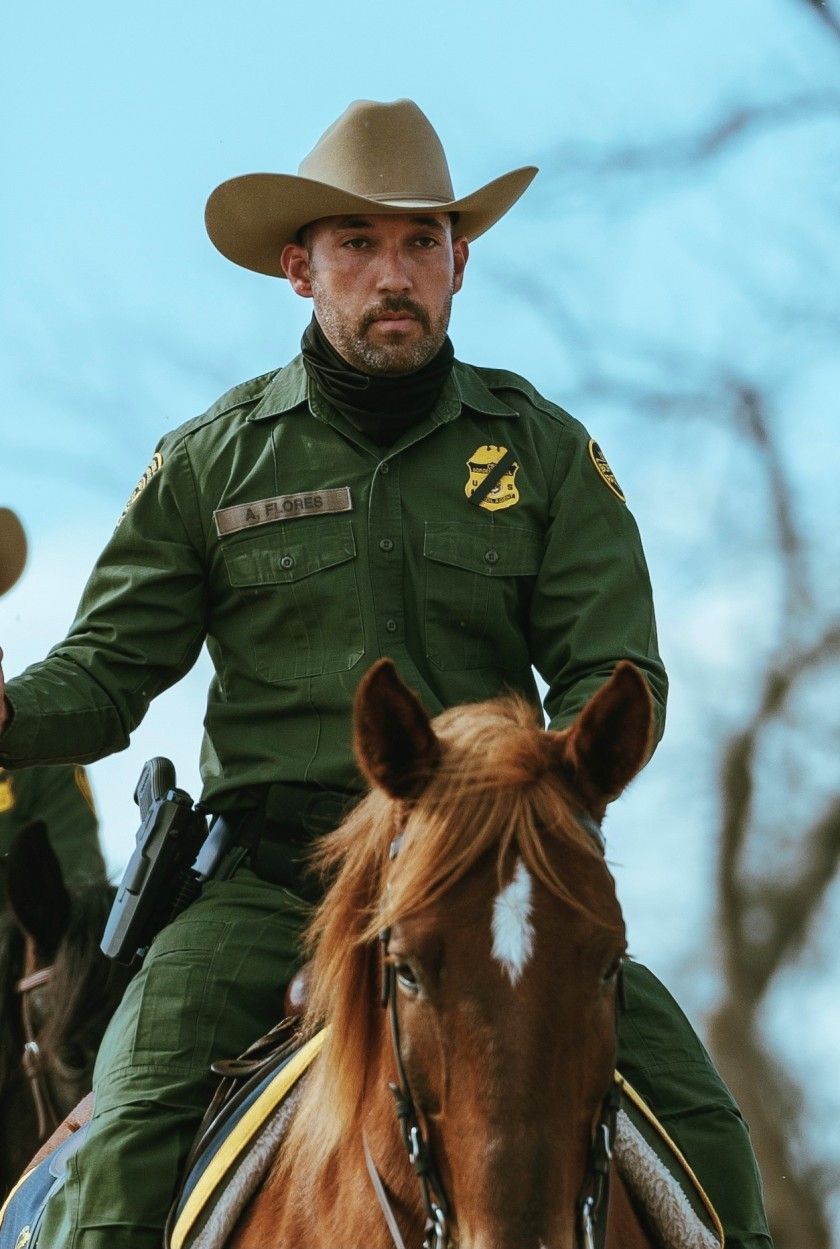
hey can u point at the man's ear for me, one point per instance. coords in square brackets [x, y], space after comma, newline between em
[460, 256]
[294, 260]
[395, 743]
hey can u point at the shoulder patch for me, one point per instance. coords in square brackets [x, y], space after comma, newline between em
[7, 791]
[155, 465]
[603, 469]
[83, 785]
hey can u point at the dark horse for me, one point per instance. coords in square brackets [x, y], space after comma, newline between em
[57, 993]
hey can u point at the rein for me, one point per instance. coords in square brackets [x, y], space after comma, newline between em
[33, 1058]
[594, 1201]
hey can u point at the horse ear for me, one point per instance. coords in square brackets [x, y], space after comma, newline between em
[35, 888]
[395, 743]
[610, 740]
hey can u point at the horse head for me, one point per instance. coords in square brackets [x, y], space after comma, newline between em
[473, 879]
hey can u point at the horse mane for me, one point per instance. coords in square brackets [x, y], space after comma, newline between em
[497, 789]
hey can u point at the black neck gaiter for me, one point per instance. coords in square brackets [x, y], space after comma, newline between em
[380, 407]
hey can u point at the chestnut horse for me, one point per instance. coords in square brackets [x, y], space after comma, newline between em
[57, 993]
[470, 890]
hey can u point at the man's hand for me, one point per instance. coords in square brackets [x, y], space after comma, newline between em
[4, 706]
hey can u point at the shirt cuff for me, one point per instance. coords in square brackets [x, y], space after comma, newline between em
[17, 741]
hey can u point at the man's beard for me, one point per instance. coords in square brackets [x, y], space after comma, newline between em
[382, 358]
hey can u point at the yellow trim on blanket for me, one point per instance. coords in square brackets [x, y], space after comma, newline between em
[645, 1110]
[255, 1117]
[14, 1189]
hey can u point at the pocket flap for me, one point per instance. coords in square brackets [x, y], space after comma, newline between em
[274, 558]
[494, 551]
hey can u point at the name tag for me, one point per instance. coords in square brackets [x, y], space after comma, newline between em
[282, 507]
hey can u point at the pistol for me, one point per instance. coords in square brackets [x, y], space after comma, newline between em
[170, 836]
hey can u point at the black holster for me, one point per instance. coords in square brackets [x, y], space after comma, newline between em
[159, 879]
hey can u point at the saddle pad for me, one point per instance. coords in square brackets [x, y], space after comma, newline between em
[650, 1163]
[660, 1179]
[23, 1209]
[218, 1159]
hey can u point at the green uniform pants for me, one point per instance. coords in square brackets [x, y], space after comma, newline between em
[214, 980]
[663, 1059]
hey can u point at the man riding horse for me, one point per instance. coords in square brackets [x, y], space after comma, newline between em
[374, 497]
[60, 796]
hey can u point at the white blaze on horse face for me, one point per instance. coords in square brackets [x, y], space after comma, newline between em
[513, 932]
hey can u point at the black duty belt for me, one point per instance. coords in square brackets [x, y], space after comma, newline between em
[278, 833]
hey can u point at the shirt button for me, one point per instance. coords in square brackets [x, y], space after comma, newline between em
[384, 468]
[491, 557]
[391, 626]
[386, 544]
[288, 561]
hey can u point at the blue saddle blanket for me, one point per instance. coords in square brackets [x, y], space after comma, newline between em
[23, 1212]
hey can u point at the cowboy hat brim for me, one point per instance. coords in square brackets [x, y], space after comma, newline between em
[12, 549]
[250, 219]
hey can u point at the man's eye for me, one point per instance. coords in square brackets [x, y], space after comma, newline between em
[426, 242]
[356, 244]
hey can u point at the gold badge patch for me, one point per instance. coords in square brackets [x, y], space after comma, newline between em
[24, 1237]
[606, 474]
[83, 786]
[154, 467]
[7, 792]
[480, 465]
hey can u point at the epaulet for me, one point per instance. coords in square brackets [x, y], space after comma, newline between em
[242, 396]
[500, 381]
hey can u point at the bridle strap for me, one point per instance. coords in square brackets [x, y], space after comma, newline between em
[32, 1059]
[417, 1147]
[35, 980]
[593, 1207]
[382, 1197]
[593, 1210]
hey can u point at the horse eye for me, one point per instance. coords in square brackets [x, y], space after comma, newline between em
[406, 978]
[613, 969]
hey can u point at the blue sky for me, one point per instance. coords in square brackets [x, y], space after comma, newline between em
[119, 320]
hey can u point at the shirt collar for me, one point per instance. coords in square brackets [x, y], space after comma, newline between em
[475, 394]
[288, 390]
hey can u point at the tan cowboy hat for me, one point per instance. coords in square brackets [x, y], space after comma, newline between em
[12, 549]
[382, 158]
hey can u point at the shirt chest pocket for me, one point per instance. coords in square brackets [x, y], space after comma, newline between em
[299, 588]
[478, 582]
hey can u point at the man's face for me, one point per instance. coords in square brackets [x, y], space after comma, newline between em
[382, 286]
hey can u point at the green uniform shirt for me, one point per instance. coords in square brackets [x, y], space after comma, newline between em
[61, 797]
[302, 552]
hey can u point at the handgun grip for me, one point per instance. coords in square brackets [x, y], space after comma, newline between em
[156, 779]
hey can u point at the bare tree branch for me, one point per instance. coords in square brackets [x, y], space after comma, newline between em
[686, 153]
[788, 909]
[794, 905]
[752, 416]
[823, 11]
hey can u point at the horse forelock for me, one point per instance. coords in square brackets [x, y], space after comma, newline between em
[496, 789]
